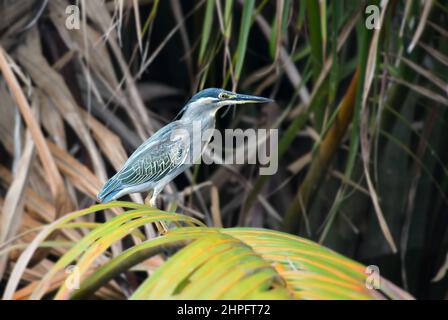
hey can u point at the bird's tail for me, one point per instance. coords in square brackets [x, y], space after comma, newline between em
[110, 190]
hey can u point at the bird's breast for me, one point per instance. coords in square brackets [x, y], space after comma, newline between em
[202, 132]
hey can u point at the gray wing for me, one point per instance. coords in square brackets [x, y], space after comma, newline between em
[157, 157]
[154, 163]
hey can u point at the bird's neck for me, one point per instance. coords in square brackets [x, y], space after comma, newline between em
[205, 115]
[200, 126]
[201, 123]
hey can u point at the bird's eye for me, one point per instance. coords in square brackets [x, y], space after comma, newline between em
[223, 96]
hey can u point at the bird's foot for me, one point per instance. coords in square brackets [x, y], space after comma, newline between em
[151, 201]
[160, 225]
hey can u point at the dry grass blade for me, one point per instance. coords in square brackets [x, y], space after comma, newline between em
[53, 85]
[96, 11]
[428, 74]
[53, 122]
[421, 25]
[441, 57]
[323, 157]
[291, 70]
[12, 209]
[300, 163]
[178, 15]
[54, 178]
[364, 127]
[138, 25]
[33, 202]
[215, 208]
[423, 91]
[407, 10]
[342, 38]
[442, 271]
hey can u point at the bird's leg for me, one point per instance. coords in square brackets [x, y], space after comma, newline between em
[148, 200]
[152, 202]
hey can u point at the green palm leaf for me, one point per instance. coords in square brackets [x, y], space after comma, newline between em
[208, 263]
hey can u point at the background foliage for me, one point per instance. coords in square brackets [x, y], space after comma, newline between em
[361, 113]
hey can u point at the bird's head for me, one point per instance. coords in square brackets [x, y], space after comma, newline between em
[212, 99]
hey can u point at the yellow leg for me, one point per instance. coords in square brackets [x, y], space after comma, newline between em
[160, 225]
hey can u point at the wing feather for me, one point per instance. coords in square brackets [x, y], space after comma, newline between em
[157, 157]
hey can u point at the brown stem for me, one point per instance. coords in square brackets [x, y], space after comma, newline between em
[322, 159]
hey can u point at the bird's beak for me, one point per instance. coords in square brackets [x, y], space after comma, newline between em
[243, 99]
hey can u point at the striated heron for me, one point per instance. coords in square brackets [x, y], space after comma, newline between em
[170, 151]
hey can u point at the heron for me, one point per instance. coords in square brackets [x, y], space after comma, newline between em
[169, 151]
